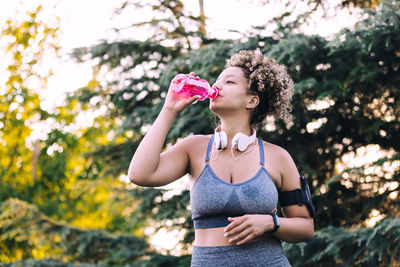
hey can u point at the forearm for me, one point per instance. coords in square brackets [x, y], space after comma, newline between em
[147, 156]
[296, 229]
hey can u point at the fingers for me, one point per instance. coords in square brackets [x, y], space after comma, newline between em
[192, 74]
[243, 229]
[194, 99]
[235, 221]
[247, 238]
[235, 227]
[241, 236]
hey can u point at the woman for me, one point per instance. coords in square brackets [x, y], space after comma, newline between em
[235, 178]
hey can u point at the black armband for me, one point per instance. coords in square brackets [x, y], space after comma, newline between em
[299, 196]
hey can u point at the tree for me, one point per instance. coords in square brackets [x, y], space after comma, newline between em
[345, 101]
[20, 102]
[350, 92]
[345, 3]
[50, 171]
[27, 232]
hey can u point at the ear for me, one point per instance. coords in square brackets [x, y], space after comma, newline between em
[253, 101]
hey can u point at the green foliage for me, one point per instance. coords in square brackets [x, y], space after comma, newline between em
[344, 3]
[44, 263]
[338, 246]
[26, 233]
[346, 99]
[19, 102]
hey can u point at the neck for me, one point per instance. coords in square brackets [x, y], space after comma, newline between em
[234, 125]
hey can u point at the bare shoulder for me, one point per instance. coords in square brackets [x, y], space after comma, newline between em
[283, 164]
[276, 150]
[193, 141]
[196, 148]
[194, 144]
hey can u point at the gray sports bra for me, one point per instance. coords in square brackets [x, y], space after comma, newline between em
[213, 200]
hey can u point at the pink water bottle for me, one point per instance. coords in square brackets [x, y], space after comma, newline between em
[187, 85]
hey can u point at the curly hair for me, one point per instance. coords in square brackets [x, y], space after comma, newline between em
[267, 79]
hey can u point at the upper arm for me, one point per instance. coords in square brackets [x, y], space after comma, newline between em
[173, 164]
[290, 180]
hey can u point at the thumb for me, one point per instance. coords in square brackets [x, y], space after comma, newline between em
[194, 99]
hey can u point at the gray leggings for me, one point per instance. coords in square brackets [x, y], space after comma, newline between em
[258, 253]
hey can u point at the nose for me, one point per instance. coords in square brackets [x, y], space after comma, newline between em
[216, 85]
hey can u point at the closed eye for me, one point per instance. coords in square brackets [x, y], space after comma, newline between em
[230, 81]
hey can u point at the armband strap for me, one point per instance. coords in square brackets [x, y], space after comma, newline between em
[298, 196]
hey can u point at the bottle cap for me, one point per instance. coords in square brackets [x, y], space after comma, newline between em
[213, 93]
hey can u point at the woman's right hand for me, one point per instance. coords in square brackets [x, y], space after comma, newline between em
[177, 103]
[150, 166]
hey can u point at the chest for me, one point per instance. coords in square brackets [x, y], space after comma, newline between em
[235, 168]
[211, 196]
[232, 166]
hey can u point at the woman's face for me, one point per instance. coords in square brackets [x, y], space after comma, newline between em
[233, 91]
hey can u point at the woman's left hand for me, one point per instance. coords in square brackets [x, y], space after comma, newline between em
[244, 228]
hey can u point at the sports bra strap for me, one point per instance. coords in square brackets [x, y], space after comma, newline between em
[209, 148]
[261, 152]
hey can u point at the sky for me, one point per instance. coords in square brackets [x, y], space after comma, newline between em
[86, 22]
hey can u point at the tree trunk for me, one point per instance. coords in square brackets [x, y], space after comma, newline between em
[202, 18]
[35, 157]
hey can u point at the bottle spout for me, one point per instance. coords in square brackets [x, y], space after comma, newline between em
[213, 93]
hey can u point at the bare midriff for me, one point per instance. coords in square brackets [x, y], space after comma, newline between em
[215, 237]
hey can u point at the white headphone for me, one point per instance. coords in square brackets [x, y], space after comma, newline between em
[240, 141]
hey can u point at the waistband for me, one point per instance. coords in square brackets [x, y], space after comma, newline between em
[261, 253]
[271, 241]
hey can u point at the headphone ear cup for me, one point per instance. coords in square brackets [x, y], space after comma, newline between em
[243, 143]
[224, 139]
[240, 141]
[217, 140]
[220, 140]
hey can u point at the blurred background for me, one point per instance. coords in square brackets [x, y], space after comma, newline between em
[82, 81]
